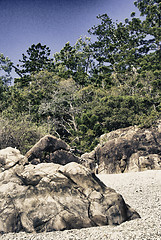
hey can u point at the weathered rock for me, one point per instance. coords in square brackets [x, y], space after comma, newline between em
[128, 149]
[51, 149]
[47, 144]
[63, 157]
[10, 157]
[48, 196]
[88, 160]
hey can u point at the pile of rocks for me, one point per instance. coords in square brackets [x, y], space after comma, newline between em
[45, 196]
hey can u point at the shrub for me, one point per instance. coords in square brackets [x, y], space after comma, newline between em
[19, 133]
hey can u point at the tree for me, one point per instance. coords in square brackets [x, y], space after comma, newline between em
[84, 60]
[117, 49]
[75, 61]
[130, 47]
[105, 35]
[65, 61]
[37, 59]
[151, 28]
[61, 109]
[5, 70]
[5, 79]
[27, 99]
[151, 10]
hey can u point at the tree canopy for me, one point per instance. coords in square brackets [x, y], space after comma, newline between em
[37, 59]
[108, 81]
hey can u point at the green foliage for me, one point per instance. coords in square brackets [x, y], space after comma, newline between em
[5, 70]
[19, 133]
[151, 10]
[27, 100]
[36, 60]
[74, 61]
[117, 48]
[5, 79]
[62, 108]
[90, 88]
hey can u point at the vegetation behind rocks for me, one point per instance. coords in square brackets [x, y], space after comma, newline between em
[109, 81]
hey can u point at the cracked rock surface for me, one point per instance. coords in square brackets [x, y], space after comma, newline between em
[130, 149]
[49, 196]
[142, 190]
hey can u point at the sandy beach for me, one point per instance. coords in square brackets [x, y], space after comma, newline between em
[141, 190]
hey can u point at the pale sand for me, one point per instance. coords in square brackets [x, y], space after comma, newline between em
[141, 190]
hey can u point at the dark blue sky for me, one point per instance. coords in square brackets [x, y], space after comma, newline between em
[52, 22]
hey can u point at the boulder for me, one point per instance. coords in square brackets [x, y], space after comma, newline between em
[10, 157]
[49, 197]
[51, 149]
[128, 149]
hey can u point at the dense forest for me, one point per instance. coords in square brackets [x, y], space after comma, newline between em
[107, 81]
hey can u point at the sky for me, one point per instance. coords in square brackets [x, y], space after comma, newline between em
[52, 22]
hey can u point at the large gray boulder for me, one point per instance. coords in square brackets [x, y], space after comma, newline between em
[125, 150]
[49, 196]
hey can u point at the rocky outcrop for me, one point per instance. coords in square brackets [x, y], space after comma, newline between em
[49, 196]
[128, 149]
